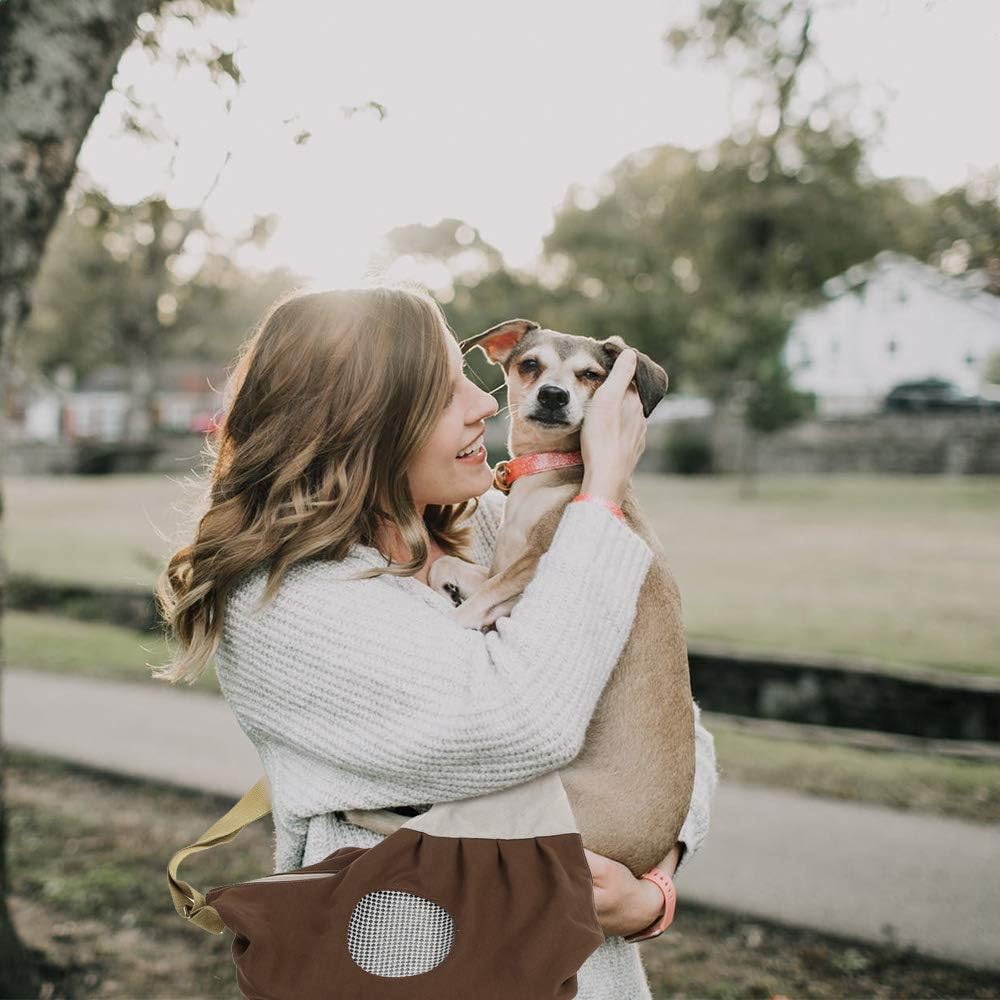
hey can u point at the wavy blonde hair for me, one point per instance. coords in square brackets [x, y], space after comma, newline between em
[329, 400]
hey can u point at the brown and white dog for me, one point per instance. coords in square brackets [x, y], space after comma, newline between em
[630, 786]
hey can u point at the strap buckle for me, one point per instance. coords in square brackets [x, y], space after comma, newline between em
[500, 477]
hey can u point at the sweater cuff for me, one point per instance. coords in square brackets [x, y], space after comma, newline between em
[607, 542]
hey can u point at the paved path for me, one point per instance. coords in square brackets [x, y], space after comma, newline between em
[863, 871]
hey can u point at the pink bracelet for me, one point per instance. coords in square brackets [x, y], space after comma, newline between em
[613, 507]
[666, 885]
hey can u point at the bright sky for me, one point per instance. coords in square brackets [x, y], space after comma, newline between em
[494, 110]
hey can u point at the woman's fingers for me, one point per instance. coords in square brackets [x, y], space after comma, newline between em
[619, 378]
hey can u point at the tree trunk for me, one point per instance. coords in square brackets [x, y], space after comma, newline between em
[57, 61]
[748, 462]
[140, 423]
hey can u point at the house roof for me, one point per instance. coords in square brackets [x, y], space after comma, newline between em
[969, 288]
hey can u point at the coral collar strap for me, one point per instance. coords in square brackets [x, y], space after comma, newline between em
[524, 465]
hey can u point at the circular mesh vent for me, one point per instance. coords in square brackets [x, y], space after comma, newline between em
[393, 933]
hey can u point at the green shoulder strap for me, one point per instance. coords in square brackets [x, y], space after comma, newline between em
[188, 901]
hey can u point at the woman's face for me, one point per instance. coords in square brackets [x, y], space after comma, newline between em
[437, 475]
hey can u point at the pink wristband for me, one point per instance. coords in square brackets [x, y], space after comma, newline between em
[613, 507]
[659, 878]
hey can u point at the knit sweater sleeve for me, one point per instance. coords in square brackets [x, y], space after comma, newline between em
[395, 703]
[706, 777]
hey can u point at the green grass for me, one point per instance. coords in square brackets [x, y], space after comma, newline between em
[898, 569]
[100, 529]
[902, 569]
[89, 649]
[922, 782]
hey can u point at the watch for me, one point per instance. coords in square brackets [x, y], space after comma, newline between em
[666, 885]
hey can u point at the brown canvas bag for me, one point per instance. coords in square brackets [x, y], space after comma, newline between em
[488, 898]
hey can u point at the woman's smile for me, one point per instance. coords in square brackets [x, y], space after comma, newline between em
[476, 457]
[477, 454]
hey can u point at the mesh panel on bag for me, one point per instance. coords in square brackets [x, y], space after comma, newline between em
[393, 933]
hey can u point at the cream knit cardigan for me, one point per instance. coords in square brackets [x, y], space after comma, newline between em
[361, 694]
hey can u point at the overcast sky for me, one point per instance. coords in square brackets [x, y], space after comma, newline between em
[494, 110]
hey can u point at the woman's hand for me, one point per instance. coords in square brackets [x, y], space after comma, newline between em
[625, 904]
[613, 435]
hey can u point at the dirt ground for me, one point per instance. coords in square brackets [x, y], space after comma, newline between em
[88, 856]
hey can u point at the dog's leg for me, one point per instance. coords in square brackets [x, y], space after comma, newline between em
[497, 595]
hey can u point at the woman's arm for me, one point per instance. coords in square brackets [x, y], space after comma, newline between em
[398, 704]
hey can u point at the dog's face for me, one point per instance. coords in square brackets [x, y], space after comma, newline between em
[552, 376]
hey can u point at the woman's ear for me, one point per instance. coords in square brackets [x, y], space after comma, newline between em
[498, 341]
[650, 379]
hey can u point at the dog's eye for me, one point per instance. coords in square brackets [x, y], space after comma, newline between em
[529, 365]
[592, 375]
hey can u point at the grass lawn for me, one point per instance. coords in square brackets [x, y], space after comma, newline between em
[925, 782]
[89, 649]
[893, 568]
[88, 894]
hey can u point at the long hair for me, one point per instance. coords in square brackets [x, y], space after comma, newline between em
[329, 400]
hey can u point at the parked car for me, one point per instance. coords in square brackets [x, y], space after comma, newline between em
[935, 394]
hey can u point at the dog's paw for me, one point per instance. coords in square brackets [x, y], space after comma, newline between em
[443, 577]
[467, 615]
[455, 578]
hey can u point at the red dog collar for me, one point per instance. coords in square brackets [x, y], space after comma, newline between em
[524, 465]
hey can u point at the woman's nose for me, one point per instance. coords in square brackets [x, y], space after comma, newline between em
[491, 404]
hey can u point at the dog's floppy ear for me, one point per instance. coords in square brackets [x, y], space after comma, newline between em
[498, 341]
[650, 379]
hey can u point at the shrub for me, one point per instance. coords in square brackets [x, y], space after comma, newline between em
[689, 452]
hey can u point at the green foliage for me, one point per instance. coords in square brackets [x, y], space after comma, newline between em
[688, 452]
[703, 260]
[993, 368]
[773, 402]
[146, 277]
[960, 229]
[769, 40]
[705, 268]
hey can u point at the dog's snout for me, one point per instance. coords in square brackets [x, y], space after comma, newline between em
[553, 397]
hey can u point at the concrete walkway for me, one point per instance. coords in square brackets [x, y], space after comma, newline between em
[862, 871]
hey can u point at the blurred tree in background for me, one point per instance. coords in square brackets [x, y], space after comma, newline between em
[703, 259]
[57, 63]
[137, 284]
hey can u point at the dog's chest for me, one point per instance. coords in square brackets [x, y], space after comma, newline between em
[523, 510]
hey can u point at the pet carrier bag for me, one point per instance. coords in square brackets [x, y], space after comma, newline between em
[488, 898]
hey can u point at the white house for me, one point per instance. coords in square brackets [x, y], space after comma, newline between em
[893, 319]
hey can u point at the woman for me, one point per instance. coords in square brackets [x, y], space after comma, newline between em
[336, 484]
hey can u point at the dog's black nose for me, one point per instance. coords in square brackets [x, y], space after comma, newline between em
[552, 397]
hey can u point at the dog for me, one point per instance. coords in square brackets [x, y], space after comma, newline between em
[630, 786]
